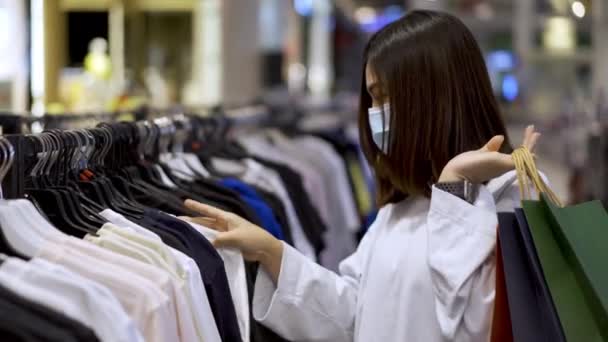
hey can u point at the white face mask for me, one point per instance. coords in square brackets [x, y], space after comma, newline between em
[379, 123]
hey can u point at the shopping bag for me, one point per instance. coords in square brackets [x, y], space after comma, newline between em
[532, 312]
[501, 319]
[572, 274]
[582, 230]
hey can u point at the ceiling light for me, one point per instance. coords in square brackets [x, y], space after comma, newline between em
[578, 9]
[365, 15]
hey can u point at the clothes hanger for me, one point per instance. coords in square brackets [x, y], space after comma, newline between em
[64, 156]
[12, 241]
[102, 186]
[50, 201]
[80, 161]
[79, 200]
[28, 213]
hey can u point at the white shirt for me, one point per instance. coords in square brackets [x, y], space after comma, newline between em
[110, 240]
[346, 208]
[423, 272]
[312, 180]
[340, 235]
[237, 280]
[186, 266]
[76, 297]
[142, 291]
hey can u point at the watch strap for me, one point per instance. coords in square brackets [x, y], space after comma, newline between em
[462, 189]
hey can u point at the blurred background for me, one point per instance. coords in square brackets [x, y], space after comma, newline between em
[548, 60]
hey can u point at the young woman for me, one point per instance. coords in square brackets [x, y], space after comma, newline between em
[431, 128]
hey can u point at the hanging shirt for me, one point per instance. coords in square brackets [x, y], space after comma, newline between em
[314, 227]
[35, 313]
[249, 195]
[339, 179]
[235, 270]
[211, 267]
[145, 302]
[184, 266]
[155, 275]
[19, 324]
[424, 272]
[312, 179]
[107, 239]
[75, 296]
[256, 174]
[340, 237]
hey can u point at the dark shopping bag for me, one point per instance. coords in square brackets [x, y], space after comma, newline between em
[532, 313]
[567, 242]
[501, 320]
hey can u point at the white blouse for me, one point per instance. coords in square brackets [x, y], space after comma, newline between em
[423, 272]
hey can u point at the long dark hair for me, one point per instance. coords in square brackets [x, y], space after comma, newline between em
[441, 101]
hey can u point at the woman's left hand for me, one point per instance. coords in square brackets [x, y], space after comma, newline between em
[486, 163]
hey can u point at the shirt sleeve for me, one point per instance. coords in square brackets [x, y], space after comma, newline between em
[311, 302]
[461, 245]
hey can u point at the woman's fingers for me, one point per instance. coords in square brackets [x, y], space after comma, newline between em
[208, 222]
[494, 144]
[226, 239]
[531, 137]
[205, 210]
[527, 135]
[533, 141]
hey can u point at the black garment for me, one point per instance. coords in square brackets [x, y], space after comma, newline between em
[313, 225]
[168, 237]
[259, 333]
[278, 209]
[152, 197]
[228, 198]
[211, 266]
[36, 327]
[185, 191]
[208, 192]
[77, 329]
[348, 151]
[9, 332]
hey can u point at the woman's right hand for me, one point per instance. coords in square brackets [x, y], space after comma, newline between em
[255, 243]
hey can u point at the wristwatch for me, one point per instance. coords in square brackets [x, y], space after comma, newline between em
[462, 189]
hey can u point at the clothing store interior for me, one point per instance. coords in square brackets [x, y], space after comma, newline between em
[228, 171]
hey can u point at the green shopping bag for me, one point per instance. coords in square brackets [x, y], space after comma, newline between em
[571, 245]
[575, 303]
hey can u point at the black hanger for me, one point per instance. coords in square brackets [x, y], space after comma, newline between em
[101, 187]
[56, 205]
[68, 145]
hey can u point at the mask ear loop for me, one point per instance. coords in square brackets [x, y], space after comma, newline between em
[385, 138]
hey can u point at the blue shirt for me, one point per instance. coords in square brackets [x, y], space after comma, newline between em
[248, 195]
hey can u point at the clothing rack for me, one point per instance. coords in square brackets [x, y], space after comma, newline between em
[173, 129]
[112, 195]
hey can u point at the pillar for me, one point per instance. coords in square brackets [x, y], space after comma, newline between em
[225, 66]
[240, 51]
[600, 49]
[117, 44]
[320, 52]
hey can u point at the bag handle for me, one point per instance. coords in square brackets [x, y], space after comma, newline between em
[525, 167]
